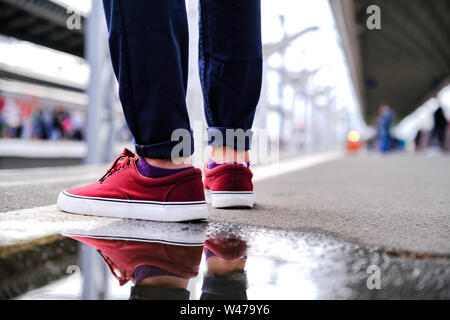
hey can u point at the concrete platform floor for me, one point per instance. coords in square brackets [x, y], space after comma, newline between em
[396, 201]
[326, 218]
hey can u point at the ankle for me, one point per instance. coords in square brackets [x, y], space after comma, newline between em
[222, 267]
[225, 154]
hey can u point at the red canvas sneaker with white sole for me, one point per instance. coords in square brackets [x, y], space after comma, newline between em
[229, 186]
[124, 193]
[122, 257]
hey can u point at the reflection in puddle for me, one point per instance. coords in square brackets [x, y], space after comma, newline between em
[161, 258]
[229, 261]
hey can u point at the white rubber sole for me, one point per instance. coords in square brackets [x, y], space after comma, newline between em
[179, 234]
[133, 209]
[230, 199]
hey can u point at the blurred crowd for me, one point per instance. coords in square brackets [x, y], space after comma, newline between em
[26, 119]
[438, 137]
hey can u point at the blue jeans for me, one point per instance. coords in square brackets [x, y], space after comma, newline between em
[148, 41]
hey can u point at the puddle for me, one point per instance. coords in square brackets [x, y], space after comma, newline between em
[222, 260]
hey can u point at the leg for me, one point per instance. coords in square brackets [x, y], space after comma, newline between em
[225, 278]
[149, 50]
[230, 65]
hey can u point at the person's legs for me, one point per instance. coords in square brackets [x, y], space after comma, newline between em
[149, 51]
[225, 278]
[230, 66]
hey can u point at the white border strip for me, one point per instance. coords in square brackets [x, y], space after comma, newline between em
[299, 163]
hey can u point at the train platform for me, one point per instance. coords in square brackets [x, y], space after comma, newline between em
[395, 205]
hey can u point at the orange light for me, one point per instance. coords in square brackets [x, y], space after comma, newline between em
[354, 136]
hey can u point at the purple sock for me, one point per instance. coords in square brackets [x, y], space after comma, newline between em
[147, 170]
[209, 254]
[147, 271]
[212, 164]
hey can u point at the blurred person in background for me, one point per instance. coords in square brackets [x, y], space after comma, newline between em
[78, 119]
[2, 119]
[57, 124]
[418, 140]
[36, 120]
[385, 122]
[67, 126]
[447, 137]
[438, 133]
[13, 119]
[27, 125]
[47, 124]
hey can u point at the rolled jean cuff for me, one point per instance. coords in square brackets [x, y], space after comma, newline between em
[231, 284]
[235, 138]
[163, 150]
[147, 292]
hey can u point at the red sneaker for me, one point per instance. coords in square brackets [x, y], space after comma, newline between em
[228, 186]
[122, 257]
[226, 248]
[124, 193]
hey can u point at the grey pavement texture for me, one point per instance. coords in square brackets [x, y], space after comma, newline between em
[29, 188]
[395, 201]
[393, 210]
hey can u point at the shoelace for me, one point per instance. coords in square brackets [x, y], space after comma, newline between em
[115, 268]
[121, 162]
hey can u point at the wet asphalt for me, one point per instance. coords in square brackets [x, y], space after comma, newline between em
[288, 264]
[397, 201]
[320, 233]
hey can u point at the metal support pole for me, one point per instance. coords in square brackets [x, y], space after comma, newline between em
[99, 134]
[95, 282]
[100, 107]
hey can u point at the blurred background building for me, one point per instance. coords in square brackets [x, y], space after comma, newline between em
[326, 74]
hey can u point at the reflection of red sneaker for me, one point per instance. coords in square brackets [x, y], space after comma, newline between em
[229, 185]
[123, 192]
[226, 248]
[122, 257]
